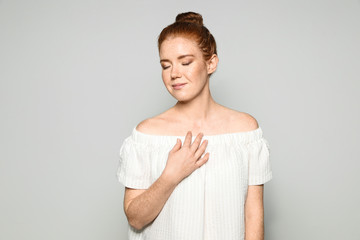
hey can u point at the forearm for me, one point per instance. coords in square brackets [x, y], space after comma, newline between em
[254, 226]
[145, 208]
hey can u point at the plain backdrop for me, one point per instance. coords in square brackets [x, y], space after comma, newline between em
[77, 76]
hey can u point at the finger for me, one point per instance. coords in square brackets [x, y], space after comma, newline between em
[202, 160]
[177, 146]
[188, 139]
[201, 149]
[196, 143]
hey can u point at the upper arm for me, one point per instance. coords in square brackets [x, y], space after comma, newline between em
[129, 195]
[254, 201]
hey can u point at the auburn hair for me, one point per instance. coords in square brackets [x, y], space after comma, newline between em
[190, 25]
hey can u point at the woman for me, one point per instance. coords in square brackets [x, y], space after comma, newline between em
[195, 171]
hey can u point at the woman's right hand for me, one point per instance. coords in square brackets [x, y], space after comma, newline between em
[185, 159]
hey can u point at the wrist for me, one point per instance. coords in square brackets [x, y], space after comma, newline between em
[169, 178]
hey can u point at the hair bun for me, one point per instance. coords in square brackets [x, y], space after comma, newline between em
[190, 17]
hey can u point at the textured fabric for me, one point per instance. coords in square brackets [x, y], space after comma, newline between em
[209, 203]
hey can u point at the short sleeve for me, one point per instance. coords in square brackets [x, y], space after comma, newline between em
[259, 162]
[134, 168]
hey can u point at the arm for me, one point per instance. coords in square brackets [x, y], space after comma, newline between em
[142, 206]
[254, 213]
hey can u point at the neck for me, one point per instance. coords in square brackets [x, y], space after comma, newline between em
[198, 110]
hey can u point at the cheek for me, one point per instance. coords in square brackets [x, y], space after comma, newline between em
[166, 79]
[197, 73]
[164, 76]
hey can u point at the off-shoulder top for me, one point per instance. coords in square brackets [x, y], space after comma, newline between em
[209, 203]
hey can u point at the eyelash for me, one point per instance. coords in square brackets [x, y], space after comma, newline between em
[184, 64]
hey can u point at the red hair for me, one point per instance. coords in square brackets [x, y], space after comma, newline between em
[190, 25]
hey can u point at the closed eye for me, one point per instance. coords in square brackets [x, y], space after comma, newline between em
[188, 63]
[165, 67]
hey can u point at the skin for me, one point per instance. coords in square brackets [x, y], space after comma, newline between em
[196, 113]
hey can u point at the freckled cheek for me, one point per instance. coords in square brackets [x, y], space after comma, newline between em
[165, 77]
[195, 74]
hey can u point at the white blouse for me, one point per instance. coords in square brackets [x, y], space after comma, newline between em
[209, 203]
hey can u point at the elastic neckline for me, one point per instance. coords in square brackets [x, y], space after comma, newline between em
[223, 138]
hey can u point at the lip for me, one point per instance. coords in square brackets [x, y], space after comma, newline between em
[179, 85]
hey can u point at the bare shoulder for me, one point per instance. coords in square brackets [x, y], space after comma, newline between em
[152, 125]
[147, 125]
[242, 121]
[249, 121]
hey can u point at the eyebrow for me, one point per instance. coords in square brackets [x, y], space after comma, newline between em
[179, 57]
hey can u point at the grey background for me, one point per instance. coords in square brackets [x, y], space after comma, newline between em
[77, 76]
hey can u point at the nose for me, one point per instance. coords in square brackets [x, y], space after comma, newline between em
[175, 72]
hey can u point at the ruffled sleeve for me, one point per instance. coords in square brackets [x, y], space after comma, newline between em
[259, 162]
[134, 167]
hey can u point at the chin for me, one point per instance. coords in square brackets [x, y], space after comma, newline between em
[183, 98]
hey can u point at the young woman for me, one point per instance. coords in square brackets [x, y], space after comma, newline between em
[195, 171]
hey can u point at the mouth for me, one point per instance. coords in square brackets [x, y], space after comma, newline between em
[178, 86]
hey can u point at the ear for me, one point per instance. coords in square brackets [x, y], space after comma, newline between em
[212, 64]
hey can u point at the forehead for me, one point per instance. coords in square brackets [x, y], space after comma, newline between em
[176, 46]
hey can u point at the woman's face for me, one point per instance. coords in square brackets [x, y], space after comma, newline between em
[182, 62]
